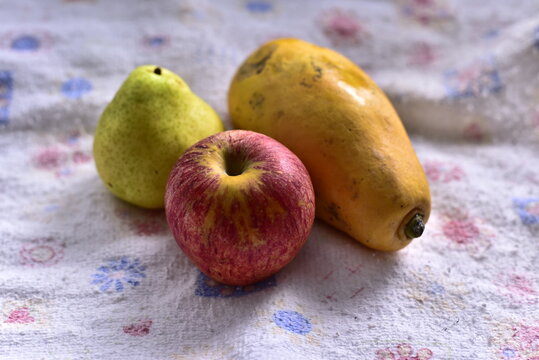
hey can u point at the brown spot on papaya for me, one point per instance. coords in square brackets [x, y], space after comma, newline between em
[257, 65]
[306, 84]
[318, 71]
[333, 209]
[334, 212]
[356, 181]
[279, 114]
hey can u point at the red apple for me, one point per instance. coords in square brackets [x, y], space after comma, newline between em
[240, 205]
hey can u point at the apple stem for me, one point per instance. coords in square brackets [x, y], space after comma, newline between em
[157, 71]
[415, 227]
[234, 166]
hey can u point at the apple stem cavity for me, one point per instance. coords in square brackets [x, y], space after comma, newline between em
[234, 165]
[157, 71]
[415, 227]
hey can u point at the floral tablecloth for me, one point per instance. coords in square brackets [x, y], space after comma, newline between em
[86, 276]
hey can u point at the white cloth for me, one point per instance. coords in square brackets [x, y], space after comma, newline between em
[85, 276]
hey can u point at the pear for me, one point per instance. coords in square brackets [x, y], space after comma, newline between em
[153, 118]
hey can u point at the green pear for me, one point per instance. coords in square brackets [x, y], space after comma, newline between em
[147, 126]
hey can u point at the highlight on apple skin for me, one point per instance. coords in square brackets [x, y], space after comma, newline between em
[240, 205]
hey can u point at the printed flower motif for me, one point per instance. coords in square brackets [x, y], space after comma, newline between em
[76, 88]
[27, 41]
[342, 27]
[206, 286]
[6, 94]
[140, 328]
[20, 316]
[156, 42]
[461, 232]
[41, 252]
[403, 352]
[518, 287]
[443, 172]
[64, 157]
[117, 273]
[289, 322]
[435, 294]
[259, 6]
[479, 78]
[292, 321]
[50, 158]
[518, 342]
[27, 313]
[528, 210]
[426, 12]
[422, 54]
[473, 132]
[142, 222]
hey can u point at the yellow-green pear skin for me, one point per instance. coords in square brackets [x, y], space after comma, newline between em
[153, 118]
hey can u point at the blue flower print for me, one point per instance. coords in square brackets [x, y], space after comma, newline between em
[76, 88]
[259, 6]
[481, 77]
[6, 93]
[117, 273]
[25, 43]
[527, 209]
[292, 321]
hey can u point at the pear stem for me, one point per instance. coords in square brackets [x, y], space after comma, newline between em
[415, 227]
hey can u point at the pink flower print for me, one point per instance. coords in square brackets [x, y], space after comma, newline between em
[342, 27]
[142, 222]
[520, 285]
[147, 227]
[518, 341]
[473, 132]
[50, 158]
[527, 337]
[424, 2]
[63, 158]
[426, 12]
[20, 316]
[422, 54]
[140, 328]
[41, 252]
[444, 172]
[461, 231]
[403, 352]
[80, 157]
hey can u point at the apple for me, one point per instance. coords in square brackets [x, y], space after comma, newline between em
[240, 205]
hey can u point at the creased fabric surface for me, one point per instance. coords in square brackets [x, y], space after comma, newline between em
[86, 276]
